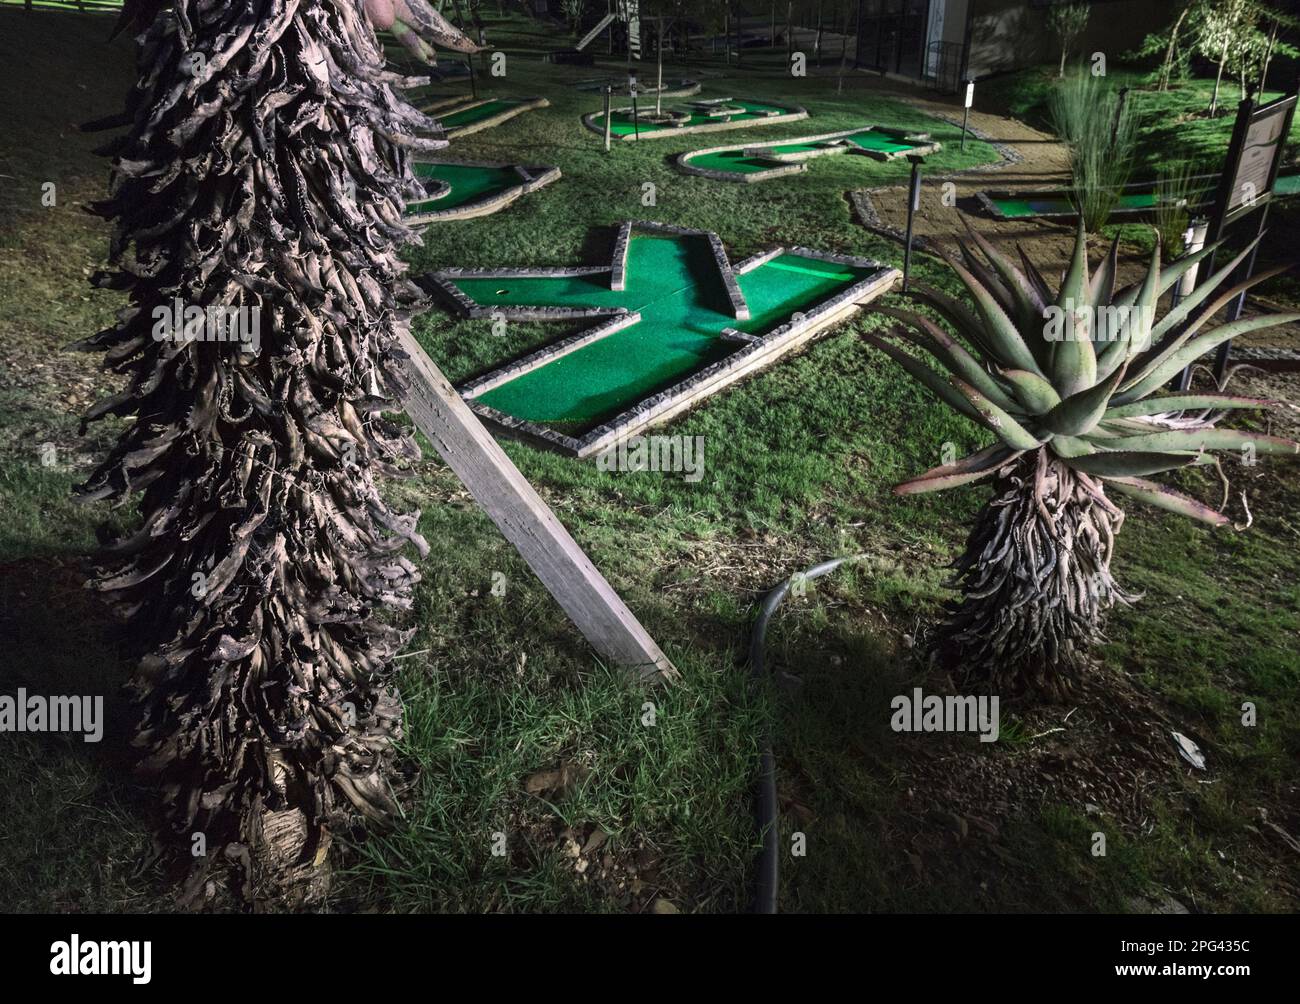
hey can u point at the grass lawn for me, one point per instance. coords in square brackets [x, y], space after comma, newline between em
[546, 781]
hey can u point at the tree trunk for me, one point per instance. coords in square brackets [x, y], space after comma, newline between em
[1268, 56]
[1035, 578]
[1166, 69]
[267, 554]
[817, 41]
[1218, 79]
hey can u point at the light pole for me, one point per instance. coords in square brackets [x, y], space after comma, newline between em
[913, 204]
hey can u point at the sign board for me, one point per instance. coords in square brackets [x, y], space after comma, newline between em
[970, 93]
[1254, 156]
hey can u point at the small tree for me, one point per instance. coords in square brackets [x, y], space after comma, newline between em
[1067, 23]
[573, 11]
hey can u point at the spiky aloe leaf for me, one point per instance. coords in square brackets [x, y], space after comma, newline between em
[1029, 304]
[956, 313]
[1187, 402]
[1033, 391]
[1202, 291]
[1004, 341]
[1101, 289]
[1169, 275]
[1035, 276]
[1067, 447]
[1133, 335]
[1128, 463]
[1166, 498]
[953, 355]
[1207, 439]
[932, 380]
[1074, 360]
[960, 472]
[1165, 366]
[1080, 413]
[1011, 432]
[989, 280]
[1156, 356]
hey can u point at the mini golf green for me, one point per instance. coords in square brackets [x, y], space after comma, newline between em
[695, 315]
[696, 116]
[760, 162]
[460, 118]
[1056, 203]
[465, 190]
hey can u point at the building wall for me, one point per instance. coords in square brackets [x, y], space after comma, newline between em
[1008, 35]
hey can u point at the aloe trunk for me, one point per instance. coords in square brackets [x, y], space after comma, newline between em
[265, 167]
[1072, 410]
[1035, 580]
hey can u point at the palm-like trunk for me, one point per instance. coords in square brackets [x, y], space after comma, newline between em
[1035, 581]
[265, 173]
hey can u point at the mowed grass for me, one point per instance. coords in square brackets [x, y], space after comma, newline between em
[498, 688]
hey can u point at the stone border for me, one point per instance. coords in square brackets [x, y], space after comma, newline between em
[450, 105]
[785, 165]
[754, 353]
[531, 178]
[790, 113]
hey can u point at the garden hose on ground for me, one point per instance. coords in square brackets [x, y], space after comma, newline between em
[769, 863]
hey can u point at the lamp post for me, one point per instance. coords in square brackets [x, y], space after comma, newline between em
[965, 115]
[913, 204]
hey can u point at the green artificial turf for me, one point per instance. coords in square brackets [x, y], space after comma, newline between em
[621, 123]
[738, 162]
[1043, 204]
[469, 183]
[675, 285]
[470, 116]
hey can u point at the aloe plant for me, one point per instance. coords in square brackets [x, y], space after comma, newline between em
[1070, 384]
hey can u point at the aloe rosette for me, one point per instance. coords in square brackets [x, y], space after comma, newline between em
[1072, 386]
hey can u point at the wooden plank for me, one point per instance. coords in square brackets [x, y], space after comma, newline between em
[527, 522]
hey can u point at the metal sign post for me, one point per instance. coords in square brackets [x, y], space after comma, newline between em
[609, 92]
[636, 118]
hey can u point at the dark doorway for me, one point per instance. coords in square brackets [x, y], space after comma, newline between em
[893, 36]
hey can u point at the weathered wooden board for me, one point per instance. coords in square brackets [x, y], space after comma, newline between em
[527, 522]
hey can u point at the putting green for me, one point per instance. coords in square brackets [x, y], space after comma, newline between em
[1027, 205]
[694, 116]
[469, 183]
[676, 285]
[1058, 205]
[459, 117]
[744, 162]
[478, 113]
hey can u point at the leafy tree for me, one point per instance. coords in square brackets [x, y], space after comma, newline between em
[1067, 22]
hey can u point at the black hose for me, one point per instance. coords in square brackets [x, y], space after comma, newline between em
[769, 869]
